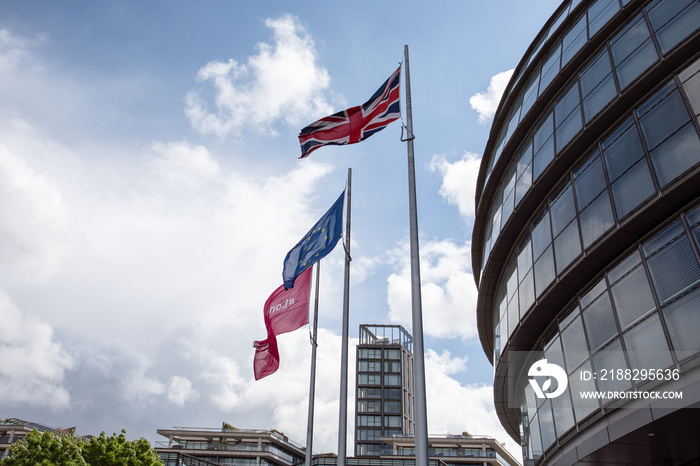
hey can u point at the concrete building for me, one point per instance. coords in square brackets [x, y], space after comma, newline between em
[227, 446]
[586, 242]
[384, 391]
[452, 450]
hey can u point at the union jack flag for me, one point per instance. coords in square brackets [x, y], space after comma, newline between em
[357, 123]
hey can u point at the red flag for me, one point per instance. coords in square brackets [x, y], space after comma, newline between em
[284, 311]
[267, 358]
[287, 310]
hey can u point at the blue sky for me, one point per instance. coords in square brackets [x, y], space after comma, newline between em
[150, 189]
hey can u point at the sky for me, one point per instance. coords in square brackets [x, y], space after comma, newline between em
[150, 188]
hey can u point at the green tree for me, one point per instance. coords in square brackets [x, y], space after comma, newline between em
[47, 449]
[55, 449]
[118, 451]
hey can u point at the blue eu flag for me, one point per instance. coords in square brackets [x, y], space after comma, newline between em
[316, 244]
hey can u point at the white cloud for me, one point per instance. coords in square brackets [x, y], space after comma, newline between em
[283, 81]
[454, 408]
[459, 181]
[14, 48]
[37, 231]
[32, 365]
[180, 391]
[486, 103]
[448, 291]
[182, 164]
[137, 385]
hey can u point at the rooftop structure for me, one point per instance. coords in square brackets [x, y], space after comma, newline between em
[227, 446]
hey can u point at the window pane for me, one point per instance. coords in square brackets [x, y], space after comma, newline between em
[513, 120]
[563, 413]
[599, 321]
[683, 321]
[530, 95]
[673, 269]
[390, 379]
[567, 103]
[679, 28]
[629, 40]
[583, 407]
[392, 354]
[622, 149]
[661, 12]
[632, 189]
[599, 98]
[523, 172]
[567, 246]
[676, 155]
[513, 314]
[589, 181]
[662, 115]
[574, 342]
[691, 84]
[574, 39]
[550, 67]
[570, 128]
[554, 355]
[633, 52]
[661, 239]
[543, 158]
[507, 207]
[544, 132]
[392, 407]
[541, 235]
[595, 73]
[544, 271]
[611, 358]
[527, 293]
[547, 425]
[563, 210]
[600, 13]
[638, 62]
[632, 293]
[646, 345]
[511, 277]
[524, 257]
[596, 219]
[535, 440]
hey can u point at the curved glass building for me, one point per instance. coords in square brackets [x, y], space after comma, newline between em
[586, 245]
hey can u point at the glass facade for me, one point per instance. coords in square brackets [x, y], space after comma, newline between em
[384, 394]
[654, 145]
[586, 246]
[604, 77]
[641, 314]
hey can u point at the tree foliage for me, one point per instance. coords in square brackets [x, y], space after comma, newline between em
[117, 451]
[55, 449]
[47, 449]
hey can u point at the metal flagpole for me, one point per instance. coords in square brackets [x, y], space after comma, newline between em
[421, 429]
[343, 415]
[312, 382]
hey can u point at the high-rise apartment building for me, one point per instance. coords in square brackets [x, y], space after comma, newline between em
[384, 391]
[586, 244]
